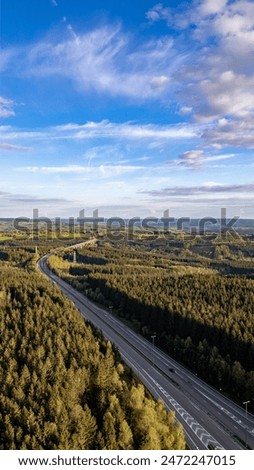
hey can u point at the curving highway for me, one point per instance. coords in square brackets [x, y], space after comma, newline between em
[210, 420]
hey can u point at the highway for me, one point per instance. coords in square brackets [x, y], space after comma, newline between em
[210, 420]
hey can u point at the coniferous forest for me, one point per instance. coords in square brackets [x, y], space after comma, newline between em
[197, 296]
[62, 386]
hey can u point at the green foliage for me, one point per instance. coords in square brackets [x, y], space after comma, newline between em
[200, 317]
[61, 385]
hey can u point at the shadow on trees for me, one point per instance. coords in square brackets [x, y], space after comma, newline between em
[218, 357]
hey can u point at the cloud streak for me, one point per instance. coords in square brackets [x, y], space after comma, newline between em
[22, 204]
[197, 159]
[19, 148]
[103, 171]
[129, 131]
[199, 190]
[106, 130]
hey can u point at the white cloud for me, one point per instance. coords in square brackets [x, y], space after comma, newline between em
[185, 110]
[159, 82]
[108, 153]
[230, 133]
[232, 24]
[216, 80]
[158, 12]
[197, 159]
[192, 158]
[129, 131]
[5, 58]
[225, 94]
[6, 107]
[105, 130]
[210, 79]
[8, 146]
[104, 59]
[103, 171]
[212, 7]
[202, 189]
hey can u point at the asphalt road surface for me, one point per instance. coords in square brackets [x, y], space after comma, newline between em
[210, 420]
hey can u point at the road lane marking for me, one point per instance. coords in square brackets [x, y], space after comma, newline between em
[76, 297]
[206, 438]
[228, 413]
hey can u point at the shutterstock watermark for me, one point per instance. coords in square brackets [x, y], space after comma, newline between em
[118, 229]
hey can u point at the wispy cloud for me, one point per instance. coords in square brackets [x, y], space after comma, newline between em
[103, 171]
[7, 146]
[210, 188]
[129, 131]
[197, 159]
[107, 130]
[158, 12]
[106, 60]
[6, 107]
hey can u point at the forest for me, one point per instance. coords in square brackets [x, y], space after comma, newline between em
[197, 296]
[62, 385]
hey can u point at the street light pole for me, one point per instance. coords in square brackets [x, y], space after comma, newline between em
[153, 338]
[246, 414]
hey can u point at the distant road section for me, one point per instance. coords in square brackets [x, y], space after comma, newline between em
[210, 420]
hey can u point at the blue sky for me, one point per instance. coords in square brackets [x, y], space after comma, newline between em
[131, 108]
